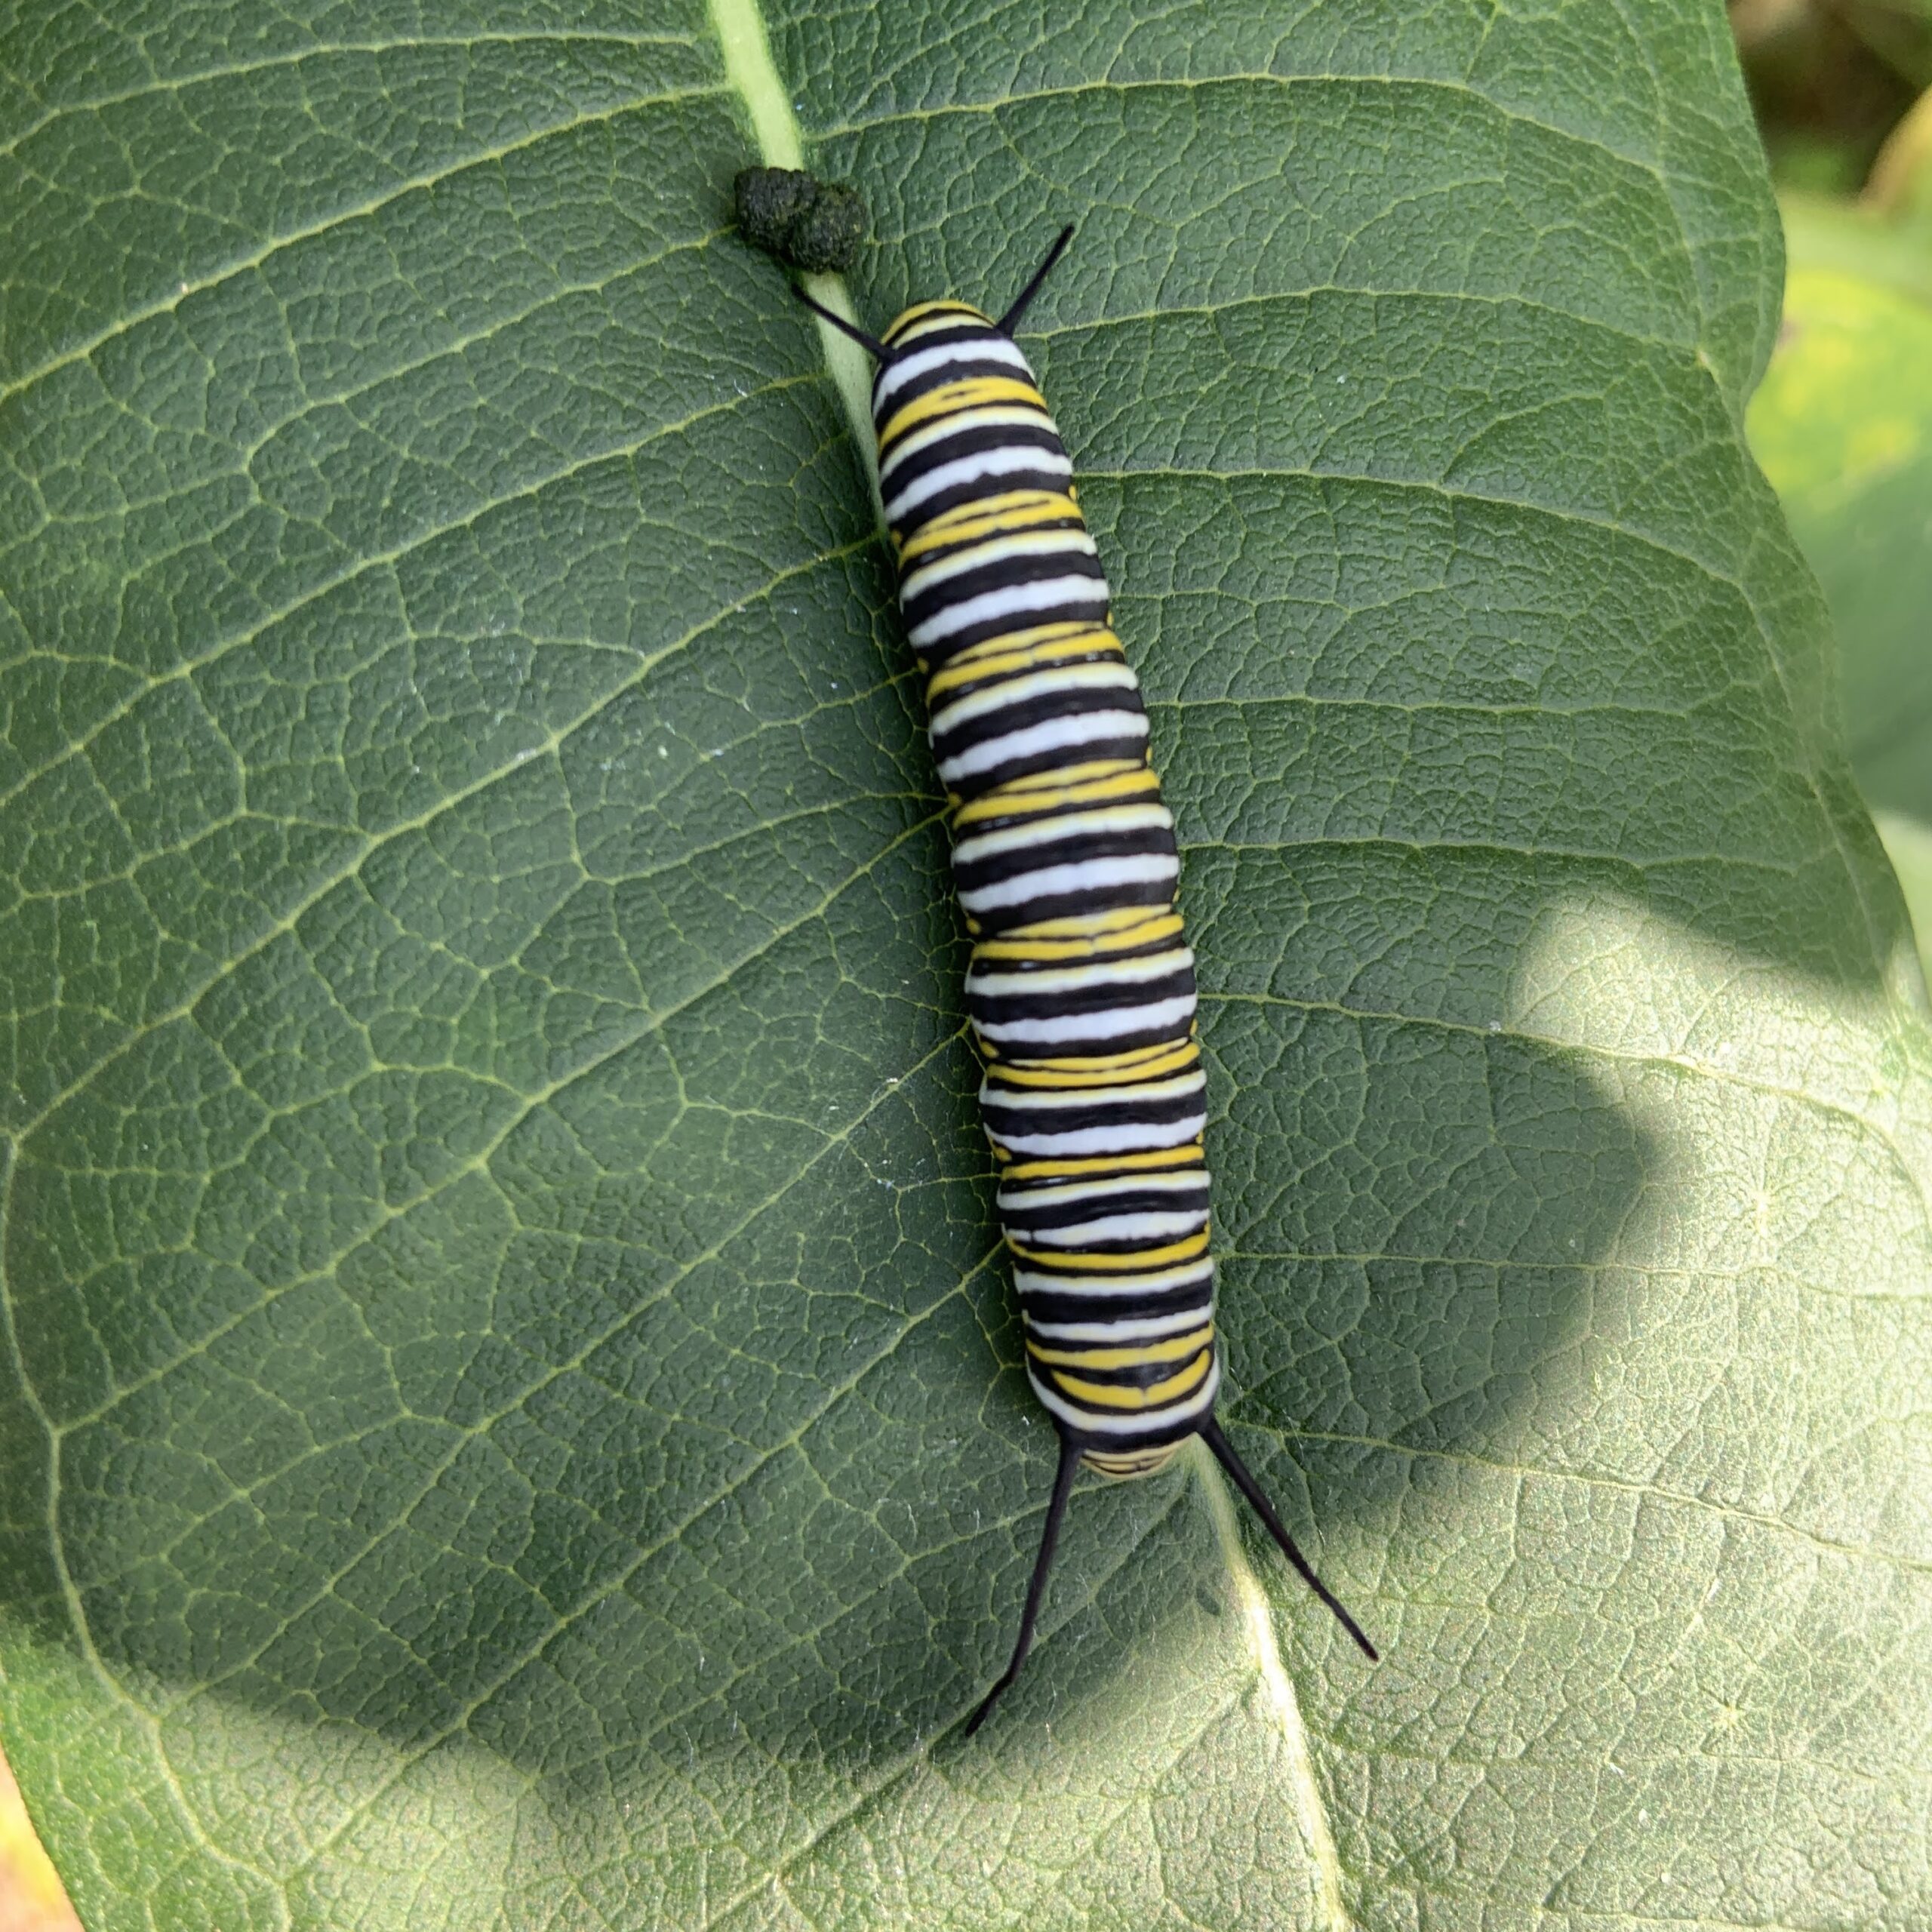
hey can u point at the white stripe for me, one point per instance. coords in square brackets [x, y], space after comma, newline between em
[1146, 1329]
[959, 314]
[1111, 1288]
[1145, 1422]
[979, 415]
[996, 550]
[1051, 734]
[1089, 875]
[1046, 1100]
[1147, 1226]
[1015, 600]
[1107, 674]
[903, 369]
[1071, 1193]
[974, 468]
[1081, 979]
[1046, 829]
[1110, 1024]
[1140, 1137]
[1100, 1022]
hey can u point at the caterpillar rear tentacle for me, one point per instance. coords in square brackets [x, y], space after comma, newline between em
[1081, 989]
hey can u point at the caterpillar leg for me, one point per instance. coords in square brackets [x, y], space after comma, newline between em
[1069, 1465]
[1224, 1453]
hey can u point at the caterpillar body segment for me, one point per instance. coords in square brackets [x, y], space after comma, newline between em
[1081, 990]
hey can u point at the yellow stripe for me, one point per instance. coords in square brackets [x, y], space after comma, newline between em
[1154, 1160]
[993, 516]
[1129, 1059]
[1008, 952]
[1095, 647]
[948, 526]
[1125, 1462]
[1092, 769]
[1086, 925]
[1177, 1348]
[922, 313]
[1135, 1059]
[1114, 815]
[1058, 1073]
[950, 399]
[1003, 416]
[1169, 1087]
[991, 647]
[1114, 782]
[1016, 1069]
[1035, 634]
[1103, 1395]
[1142, 1260]
[996, 550]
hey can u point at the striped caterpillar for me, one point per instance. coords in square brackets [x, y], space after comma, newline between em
[1081, 990]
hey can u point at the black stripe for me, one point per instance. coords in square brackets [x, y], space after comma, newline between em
[988, 1015]
[1020, 1217]
[1054, 526]
[1104, 648]
[994, 920]
[995, 570]
[1116, 1245]
[967, 324]
[957, 496]
[952, 731]
[1127, 1308]
[1168, 1111]
[1079, 1003]
[971, 440]
[1087, 1046]
[1022, 967]
[1009, 573]
[1036, 1263]
[1022, 813]
[1073, 847]
[1055, 700]
[1030, 904]
[1034, 422]
[1129, 745]
[1086, 600]
[1026, 1244]
[1143, 1375]
[1088, 1275]
[964, 369]
[1133, 1108]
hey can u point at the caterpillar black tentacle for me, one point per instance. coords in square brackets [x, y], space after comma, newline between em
[1081, 990]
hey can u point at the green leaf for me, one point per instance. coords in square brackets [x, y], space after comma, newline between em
[513, 1415]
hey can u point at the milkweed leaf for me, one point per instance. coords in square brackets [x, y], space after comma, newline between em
[510, 1414]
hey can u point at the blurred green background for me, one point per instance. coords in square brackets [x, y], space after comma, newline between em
[1842, 424]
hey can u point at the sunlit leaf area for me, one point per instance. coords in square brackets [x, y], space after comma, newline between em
[511, 1410]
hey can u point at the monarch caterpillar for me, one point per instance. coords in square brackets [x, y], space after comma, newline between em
[1081, 990]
